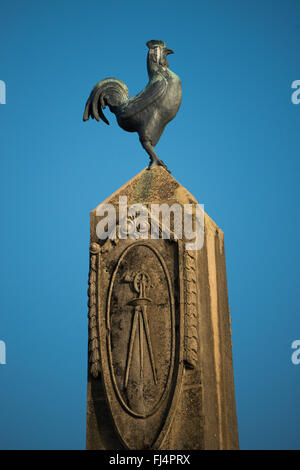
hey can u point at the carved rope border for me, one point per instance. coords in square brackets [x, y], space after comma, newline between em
[93, 347]
[191, 317]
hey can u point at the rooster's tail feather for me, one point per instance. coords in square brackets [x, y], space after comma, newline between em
[111, 92]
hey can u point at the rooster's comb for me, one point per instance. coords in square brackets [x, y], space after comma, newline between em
[154, 42]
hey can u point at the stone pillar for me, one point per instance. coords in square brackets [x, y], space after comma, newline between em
[160, 372]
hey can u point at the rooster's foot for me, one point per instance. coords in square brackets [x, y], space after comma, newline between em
[154, 160]
[158, 162]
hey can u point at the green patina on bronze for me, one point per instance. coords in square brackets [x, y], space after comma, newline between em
[149, 111]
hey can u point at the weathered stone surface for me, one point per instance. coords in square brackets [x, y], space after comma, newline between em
[160, 361]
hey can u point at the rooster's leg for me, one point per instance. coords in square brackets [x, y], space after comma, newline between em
[154, 160]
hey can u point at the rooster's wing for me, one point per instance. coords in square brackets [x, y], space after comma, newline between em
[152, 93]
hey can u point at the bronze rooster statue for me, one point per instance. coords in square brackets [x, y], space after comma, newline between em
[149, 111]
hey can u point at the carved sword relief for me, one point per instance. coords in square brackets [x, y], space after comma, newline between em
[141, 322]
[141, 282]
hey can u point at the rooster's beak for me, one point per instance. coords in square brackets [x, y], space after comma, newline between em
[169, 51]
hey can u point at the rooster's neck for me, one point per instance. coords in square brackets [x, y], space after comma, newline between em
[155, 69]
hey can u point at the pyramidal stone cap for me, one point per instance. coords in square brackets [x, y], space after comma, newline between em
[156, 186]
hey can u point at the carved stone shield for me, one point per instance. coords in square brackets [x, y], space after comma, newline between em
[139, 338]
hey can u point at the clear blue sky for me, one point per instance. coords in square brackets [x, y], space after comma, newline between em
[234, 145]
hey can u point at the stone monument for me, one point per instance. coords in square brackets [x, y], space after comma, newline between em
[160, 372]
[160, 360]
